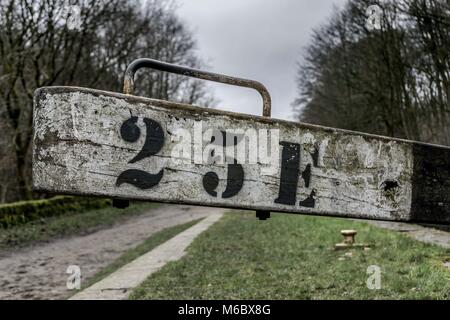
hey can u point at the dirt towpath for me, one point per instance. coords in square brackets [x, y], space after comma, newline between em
[39, 272]
[426, 234]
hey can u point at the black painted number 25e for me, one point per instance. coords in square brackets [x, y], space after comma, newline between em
[154, 141]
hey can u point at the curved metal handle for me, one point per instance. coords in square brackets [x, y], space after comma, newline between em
[128, 86]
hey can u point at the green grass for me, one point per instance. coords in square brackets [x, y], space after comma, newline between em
[66, 225]
[132, 254]
[22, 212]
[292, 257]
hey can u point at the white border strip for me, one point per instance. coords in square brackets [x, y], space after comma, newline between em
[118, 285]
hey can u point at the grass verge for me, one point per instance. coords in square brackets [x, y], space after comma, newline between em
[22, 212]
[45, 229]
[132, 254]
[292, 257]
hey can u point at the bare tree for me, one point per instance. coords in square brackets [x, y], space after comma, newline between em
[391, 81]
[39, 48]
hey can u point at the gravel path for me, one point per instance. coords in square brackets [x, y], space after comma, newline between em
[418, 232]
[39, 272]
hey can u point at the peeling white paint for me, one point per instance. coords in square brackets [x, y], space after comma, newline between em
[78, 149]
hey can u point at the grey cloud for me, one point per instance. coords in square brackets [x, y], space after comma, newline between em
[256, 39]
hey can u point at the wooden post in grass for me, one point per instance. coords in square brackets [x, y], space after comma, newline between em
[97, 143]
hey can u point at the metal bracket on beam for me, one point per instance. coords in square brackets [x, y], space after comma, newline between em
[120, 204]
[262, 215]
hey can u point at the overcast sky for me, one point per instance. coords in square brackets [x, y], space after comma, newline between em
[255, 39]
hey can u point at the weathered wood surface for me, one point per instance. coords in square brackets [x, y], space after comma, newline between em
[81, 147]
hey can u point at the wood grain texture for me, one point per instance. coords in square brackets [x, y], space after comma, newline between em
[79, 148]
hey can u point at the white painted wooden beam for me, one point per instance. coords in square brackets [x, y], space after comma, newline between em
[90, 142]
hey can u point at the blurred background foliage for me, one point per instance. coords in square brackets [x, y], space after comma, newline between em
[39, 48]
[392, 81]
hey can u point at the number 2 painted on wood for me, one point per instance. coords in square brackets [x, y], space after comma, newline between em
[154, 141]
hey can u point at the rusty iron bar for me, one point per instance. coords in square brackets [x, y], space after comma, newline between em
[128, 88]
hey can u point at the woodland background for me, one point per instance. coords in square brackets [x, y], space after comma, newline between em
[392, 81]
